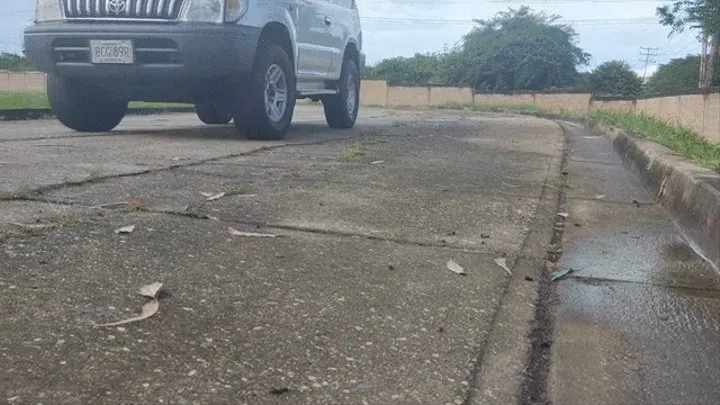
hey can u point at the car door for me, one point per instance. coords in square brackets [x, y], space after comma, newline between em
[313, 39]
[340, 15]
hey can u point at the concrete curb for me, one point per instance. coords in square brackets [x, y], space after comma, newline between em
[39, 113]
[690, 192]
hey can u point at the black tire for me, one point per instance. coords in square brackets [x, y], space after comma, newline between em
[251, 115]
[337, 113]
[214, 113]
[81, 110]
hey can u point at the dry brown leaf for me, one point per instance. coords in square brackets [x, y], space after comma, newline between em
[216, 196]
[148, 310]
[455, 268]
[503, 263]
[151, 290]
[125, 229]
[235, 232]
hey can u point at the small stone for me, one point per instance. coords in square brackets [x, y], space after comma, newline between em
[146, 385]
[192, 373]
[312, 378]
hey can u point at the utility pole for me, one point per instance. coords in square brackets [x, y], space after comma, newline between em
[648, 55]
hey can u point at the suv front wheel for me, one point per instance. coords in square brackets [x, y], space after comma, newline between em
[341, 109]
[271, 99]
[81, 110]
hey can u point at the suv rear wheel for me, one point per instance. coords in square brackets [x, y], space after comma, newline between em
[79, 109]
[341, 109]
[214, 112]
[271, 97]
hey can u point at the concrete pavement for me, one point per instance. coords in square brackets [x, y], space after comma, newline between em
[352, 302]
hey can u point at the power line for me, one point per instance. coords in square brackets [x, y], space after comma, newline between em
[597, 21]
[440, 3]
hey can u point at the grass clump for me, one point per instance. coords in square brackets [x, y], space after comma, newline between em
[675, 137]
[355, 151]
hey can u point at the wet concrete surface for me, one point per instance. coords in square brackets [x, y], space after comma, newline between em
[638, 321]
[351, 304]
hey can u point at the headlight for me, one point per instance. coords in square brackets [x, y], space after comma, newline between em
[235, 9]
[48, 10]
[210, 11]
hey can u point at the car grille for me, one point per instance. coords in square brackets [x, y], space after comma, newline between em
[123, 9]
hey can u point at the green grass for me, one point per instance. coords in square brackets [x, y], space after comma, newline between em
[526, 109]
[677, 138]
[11, 100]
[355, 151]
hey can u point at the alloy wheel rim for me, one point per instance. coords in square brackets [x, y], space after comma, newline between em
[275, 93]
[351, 94]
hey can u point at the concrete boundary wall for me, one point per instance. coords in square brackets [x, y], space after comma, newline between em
[699, 112]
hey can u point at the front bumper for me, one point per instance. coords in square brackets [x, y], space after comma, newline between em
[162, 51]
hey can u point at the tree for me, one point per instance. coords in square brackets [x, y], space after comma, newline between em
[516, 50]
[13, 62]
[697, 14]
[615, 78]
[679, 74]
[420, 69]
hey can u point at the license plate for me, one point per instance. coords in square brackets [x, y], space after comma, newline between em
[112, 52]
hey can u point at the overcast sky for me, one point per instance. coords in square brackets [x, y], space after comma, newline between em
[607, 29]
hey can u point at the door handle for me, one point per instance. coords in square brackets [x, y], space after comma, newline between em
[327, 21]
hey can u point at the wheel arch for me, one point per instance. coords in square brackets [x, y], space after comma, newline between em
[277, 33]
[352, 49]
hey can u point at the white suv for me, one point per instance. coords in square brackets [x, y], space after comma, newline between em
[241, 60]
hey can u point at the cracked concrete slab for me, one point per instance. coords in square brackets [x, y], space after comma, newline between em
[352, 304]
[334, 320]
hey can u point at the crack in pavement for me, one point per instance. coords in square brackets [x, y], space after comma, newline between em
[117, 207]
[469, 190]
[99, 179]
[534, 387]
[591, 280]
[476, 364]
